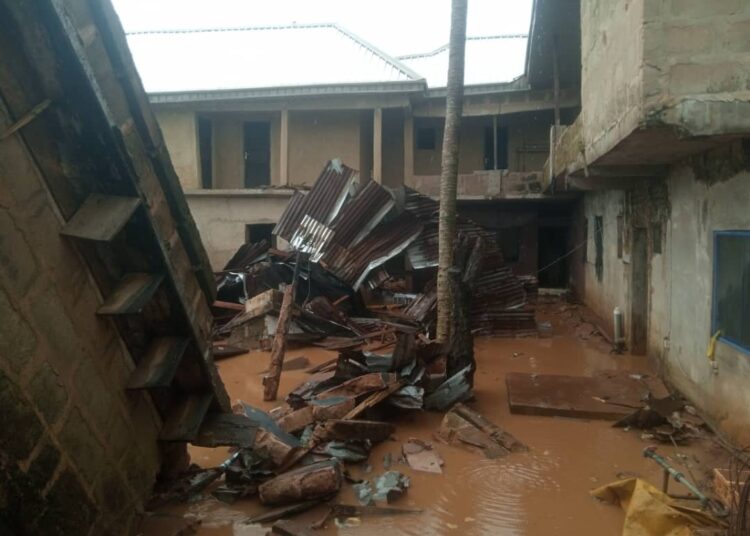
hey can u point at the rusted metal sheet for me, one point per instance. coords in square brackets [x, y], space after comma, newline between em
[385, 242]
[322, 203]
[362, 214]
[311, 237]
[247, 255]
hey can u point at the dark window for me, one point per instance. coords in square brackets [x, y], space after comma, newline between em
[731, 300]
[205, 147]
[255, 232]
[656, 238]
[599, 246]
[502, 148]
[510, 243]
[426, 137]
[257, 154]
[585, 253]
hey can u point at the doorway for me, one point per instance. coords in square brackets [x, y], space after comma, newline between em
[552, 249]
[639, 292]
[257, 153]
[501, 150]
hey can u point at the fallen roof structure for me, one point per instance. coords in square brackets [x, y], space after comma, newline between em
[104, 285]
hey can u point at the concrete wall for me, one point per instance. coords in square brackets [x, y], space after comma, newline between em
[612, 70]
[318, 136]
[528, 142]
[228, 147]
[78, 452]
[181, 136]
[698, 54]
[696, 198]
[221, 217]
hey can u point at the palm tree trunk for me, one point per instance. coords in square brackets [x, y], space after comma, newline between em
[449, 168]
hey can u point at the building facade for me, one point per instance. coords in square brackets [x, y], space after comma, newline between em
[242, 142]
[660, 154]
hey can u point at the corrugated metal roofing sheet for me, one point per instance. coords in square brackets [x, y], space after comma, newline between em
[360, 216]
[322, 203]
[489, 60]
[259, 57]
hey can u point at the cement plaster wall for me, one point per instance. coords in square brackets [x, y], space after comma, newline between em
[318, 136]
[700, 201]
[221, 217]
[181, 136]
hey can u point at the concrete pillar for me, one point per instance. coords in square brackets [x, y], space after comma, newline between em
[377, 145]
[284, 148]
[408, 146]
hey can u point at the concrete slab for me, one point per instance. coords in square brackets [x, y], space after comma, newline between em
[609, 395]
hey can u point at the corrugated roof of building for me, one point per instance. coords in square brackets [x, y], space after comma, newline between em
[494, 59]
[301, 55]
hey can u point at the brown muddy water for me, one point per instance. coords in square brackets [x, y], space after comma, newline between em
[543, 492]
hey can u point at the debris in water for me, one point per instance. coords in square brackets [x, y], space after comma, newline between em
[390, 486]
[422, 457]
[308, 482]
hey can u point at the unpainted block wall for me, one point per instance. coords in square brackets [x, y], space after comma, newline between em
[697, 198]
[71, 440]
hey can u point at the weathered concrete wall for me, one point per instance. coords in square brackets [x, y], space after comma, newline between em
[700, 207]
[612, 290]
[612, 70]
[698, 58]
[221, 217]
[69, 451]
[681, 215]
[228, 147]
[318, 136]
[471, 150]
[181, 136]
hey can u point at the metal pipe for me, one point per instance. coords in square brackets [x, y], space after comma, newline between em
[650, 452]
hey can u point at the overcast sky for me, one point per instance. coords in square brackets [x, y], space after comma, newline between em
[395, 26]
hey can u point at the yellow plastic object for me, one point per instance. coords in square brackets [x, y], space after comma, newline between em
[711, 350]
[649, 512]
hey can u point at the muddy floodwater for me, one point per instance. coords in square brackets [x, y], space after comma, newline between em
[543, 492]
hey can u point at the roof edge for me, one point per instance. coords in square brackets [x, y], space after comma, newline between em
[359, 88]
[445, 47]
[235, 28]
[375, 50]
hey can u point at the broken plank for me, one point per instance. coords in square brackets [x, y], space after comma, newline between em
[374, 399]
[186, 418]
[231, 306]
[101, 217]
[226, 430]
[286, 527]
[284, 512]
[350, 429]
[500, 436]
[131, 295]
[158, 367]
[314, 481]
[609, 397]
[223, 351]
[351, 510]
[271, 380]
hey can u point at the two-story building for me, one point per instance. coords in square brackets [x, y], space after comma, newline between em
[660, 154]
[250, 114]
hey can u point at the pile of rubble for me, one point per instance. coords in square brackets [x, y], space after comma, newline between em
[338, 293]
[364, 261]
[294, 457]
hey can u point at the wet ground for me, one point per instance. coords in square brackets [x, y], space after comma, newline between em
[543, 492]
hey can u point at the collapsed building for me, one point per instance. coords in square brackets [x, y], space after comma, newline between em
[105, 362]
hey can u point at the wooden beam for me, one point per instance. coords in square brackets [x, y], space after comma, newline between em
[101, 217]
[186, 418]
[131, 294]
[158, 367]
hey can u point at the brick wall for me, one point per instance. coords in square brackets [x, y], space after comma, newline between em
[78, 455]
